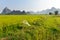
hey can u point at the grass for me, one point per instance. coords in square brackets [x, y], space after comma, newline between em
[42, 27]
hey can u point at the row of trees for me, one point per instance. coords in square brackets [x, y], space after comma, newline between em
[55, 12]
[15, 12]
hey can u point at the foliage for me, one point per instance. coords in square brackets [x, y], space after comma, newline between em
[56, 12]
[50, 13]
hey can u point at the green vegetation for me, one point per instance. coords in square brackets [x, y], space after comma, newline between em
[55, 12]
[29, 27]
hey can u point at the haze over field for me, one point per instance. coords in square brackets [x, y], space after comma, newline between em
[29, 5]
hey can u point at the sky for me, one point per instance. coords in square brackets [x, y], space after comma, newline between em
[29, 5]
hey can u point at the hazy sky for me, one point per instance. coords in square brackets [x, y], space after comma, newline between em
[30, 5]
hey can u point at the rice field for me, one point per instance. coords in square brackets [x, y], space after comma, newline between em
[29, 27]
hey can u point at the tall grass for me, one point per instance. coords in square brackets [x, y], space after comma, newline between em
[43, 27]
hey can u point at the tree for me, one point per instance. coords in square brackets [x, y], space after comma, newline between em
[56, 12]
[50, 13]
[23, 11]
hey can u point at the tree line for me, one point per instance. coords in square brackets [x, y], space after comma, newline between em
[55, 13]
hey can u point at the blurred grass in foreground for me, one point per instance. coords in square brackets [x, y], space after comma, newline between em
[42, 27]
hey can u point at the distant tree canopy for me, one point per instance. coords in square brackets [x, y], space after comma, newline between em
[17, 12]
[23, 11]
[50, 13]
[56, 12]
